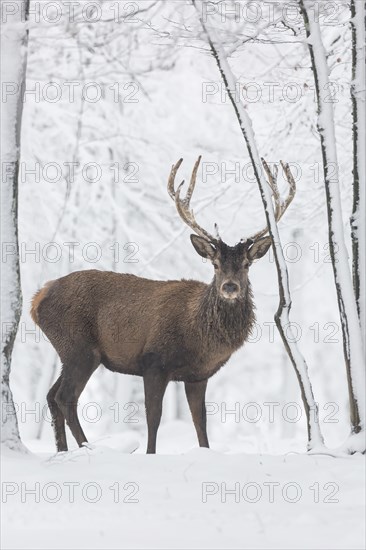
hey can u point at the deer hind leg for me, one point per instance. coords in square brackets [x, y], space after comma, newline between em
[58, 419]
[195, 392]
[75, 376]
[155, 383]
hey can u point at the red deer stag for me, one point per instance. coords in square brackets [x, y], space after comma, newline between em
[161, 330]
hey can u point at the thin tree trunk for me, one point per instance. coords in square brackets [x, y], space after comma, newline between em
[282, 319]
[14, 42]
[358, 14]
[351, 329]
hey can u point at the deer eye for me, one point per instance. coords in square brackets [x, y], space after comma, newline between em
[216, 265]
[246, 265]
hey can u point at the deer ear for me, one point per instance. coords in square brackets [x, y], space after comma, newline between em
[203, 247]
[259, 248]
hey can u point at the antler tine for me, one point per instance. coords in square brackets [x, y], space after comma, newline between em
[292, 187]
[280, 206]
[192, 183]
[272, 180]
[171, 179]
[182, 205]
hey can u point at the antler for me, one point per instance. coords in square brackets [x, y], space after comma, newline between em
[183, 205]
[280, 205]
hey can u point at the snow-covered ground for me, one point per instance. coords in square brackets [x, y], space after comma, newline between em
[184, 497]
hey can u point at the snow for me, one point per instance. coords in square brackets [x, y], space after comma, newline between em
[185, 498]
[171, 119]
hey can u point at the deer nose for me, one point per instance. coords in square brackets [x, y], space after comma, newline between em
[230, 287]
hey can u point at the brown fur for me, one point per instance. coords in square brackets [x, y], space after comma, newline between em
[37, 299]
[122, 318]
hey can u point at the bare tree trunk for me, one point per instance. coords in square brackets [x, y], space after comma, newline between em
[358, 14]
[14, 41]
[282, 319]
[351, 329]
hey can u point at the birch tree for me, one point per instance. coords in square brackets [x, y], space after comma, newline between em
[358, 14]
[14, 40]
[347, 301]
[282, 316]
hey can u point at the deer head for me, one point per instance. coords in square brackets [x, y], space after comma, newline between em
[231, 263]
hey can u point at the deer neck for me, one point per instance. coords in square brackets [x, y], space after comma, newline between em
[224, 322]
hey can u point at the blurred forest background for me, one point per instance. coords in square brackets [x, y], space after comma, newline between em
[117, 93]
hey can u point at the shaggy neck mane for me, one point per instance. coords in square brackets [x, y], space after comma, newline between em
[225, 322]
